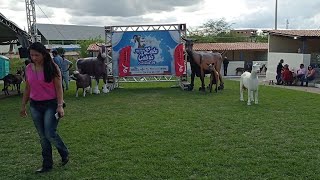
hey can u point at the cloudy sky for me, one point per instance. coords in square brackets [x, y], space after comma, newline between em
[301, 14]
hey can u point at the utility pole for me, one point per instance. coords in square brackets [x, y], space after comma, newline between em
[31, 19]
[276, 16]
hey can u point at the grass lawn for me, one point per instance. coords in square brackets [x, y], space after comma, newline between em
[152, 131]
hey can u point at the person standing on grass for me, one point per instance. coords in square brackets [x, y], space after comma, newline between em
[58, 60]
[65, 67]
[279, 72]
[225, 65]
[44, 90]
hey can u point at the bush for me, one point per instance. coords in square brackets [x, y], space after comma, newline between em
[16, 64]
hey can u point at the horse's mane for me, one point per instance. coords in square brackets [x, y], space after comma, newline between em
[190, 55]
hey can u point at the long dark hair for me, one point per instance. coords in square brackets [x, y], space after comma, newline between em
[49, 69]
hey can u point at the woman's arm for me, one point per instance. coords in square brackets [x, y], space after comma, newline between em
[312, 73]
[58, 86]
[25, 100]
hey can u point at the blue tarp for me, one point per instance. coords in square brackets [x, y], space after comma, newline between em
[4, 66]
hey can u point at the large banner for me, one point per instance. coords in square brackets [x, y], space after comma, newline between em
[144, 53]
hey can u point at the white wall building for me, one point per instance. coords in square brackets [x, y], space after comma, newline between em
[295, 47]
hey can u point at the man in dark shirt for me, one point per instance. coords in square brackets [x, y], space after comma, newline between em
[225, 65]
[279, 71]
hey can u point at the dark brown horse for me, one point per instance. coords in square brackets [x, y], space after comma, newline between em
[12, 79]
[95, 66]
[204, 63]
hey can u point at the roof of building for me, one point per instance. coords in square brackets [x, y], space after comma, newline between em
[229, 46]
[70, 32]
[71, 53]
[294, 33]
[11, 31]
[95, 47]
[4, 57]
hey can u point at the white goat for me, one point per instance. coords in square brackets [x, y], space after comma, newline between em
[250, 81]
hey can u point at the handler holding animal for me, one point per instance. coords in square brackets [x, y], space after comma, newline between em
[44, 89]
[225, 65]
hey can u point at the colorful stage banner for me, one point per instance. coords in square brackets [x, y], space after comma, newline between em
[147, 53]
[179, 60]
[124, 61]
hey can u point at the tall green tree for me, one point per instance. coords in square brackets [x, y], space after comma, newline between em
[263, 38]
[84, 44]
[218, 31]
[215, 27]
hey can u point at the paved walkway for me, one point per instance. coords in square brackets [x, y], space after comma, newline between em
[263, 81]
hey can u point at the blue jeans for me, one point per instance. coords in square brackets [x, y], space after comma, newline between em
[279, 79]
[307, 79]
[65, 79]
[42, 113]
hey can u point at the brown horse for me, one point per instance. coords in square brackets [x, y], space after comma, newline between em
[204, 63]
[96, 67]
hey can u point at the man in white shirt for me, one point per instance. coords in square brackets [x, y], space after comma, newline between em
[301, 73]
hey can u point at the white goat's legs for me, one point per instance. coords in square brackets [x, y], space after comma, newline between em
[241, 91]
[84, 92]
[88, 89]
[105, 89]
[249, 97]
[77, 92]
[96, 90]
[256, 97]
[252, 99]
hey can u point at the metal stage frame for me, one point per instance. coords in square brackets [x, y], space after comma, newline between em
[109, 30]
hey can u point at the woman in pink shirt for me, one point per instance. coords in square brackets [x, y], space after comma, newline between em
[44, 90]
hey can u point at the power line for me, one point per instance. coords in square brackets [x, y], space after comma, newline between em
[50, 20]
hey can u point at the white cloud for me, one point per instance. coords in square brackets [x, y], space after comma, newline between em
[243, 13]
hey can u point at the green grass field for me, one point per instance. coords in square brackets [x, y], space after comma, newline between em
[152, 131]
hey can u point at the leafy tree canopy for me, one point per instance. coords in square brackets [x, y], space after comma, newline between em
[218, 31]
[84, 44]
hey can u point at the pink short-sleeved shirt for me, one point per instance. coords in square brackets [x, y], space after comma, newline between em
[39, 89]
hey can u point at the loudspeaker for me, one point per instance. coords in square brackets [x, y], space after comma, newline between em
[23, 52]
